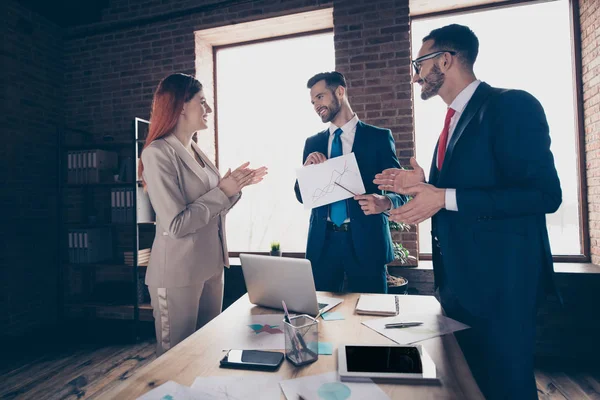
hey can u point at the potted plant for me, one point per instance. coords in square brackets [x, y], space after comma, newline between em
[399, 284]
[275, 249]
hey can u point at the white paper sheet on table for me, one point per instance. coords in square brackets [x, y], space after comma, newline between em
[171, 390]
[317, 182]
[238, 387]
[256, 332]
[329, 387]
[433, 325]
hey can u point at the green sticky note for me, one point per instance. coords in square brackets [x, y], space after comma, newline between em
[325, 348]
[332, 316]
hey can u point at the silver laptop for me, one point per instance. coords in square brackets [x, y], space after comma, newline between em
[272, 279]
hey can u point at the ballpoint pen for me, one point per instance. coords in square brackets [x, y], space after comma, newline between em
[386, 213]
[319, 314]
[403, 324]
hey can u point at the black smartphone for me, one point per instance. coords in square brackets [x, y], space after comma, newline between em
[252, 359]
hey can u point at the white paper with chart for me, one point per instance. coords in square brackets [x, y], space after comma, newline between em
[318, 182]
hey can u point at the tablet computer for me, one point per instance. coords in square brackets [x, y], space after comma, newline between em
[358, 362]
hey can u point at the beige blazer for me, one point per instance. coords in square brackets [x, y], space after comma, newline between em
[190, 244]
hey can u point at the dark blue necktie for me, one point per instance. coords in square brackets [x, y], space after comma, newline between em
[337, 210]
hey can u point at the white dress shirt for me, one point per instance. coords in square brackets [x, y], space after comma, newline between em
[347, 137]
[458, 105]
[213, 178]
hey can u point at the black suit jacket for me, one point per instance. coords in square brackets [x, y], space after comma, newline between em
[499, 161]
[375, 150]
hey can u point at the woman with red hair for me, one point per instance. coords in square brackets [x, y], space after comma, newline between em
[185, 274]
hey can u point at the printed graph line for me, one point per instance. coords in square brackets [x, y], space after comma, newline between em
[336, 176]
[270, 329]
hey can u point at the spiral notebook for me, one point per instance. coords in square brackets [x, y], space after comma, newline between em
[373, 304]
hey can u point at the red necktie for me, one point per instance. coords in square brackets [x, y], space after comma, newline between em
[444, 139]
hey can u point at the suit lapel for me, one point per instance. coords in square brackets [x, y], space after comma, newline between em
[359, 138]
[187, 158]
[360, 145]
[322, 143]
[433, 171]
[479, 97]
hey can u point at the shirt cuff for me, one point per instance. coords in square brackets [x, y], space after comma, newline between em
[451, 200]
[391, 203]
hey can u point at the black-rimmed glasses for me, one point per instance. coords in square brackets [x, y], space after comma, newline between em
[417, 62]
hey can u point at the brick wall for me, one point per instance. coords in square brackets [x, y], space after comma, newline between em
[31, 112]
[112, 68]
[589, 11]
[372, 49]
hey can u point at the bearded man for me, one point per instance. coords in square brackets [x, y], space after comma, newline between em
[349, 241]
[491, 184]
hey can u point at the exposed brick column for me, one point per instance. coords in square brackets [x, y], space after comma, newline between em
[372, 49]
[589, 14]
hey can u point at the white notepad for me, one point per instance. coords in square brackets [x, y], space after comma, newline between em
[373, 304]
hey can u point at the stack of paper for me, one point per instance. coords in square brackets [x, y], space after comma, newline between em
[377, 304]
[143, 257]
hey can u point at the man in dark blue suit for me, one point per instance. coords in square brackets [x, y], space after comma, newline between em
[492, 181]
[350, 238]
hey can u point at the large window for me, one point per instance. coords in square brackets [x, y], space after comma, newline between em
[525, 47]
[264, 116]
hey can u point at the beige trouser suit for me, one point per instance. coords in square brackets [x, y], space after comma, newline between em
[185, 273]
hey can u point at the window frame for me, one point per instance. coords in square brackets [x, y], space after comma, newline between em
[216, 107]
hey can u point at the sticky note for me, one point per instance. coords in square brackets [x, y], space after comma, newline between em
[332, 316]
[325, 348]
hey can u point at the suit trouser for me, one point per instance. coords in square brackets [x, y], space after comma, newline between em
[338, 258]
[179, 312]
[498, 348]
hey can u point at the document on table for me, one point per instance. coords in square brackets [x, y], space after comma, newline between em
[170, 390]
[318, 182]
[328, 386]
[238, 387]
[433, 326]
[219, 388]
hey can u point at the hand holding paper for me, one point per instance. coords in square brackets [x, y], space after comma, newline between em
[318, 182]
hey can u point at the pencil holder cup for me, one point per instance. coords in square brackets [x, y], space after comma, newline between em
[301, 340]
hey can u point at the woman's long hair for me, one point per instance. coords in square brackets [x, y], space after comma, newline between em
[171, 93]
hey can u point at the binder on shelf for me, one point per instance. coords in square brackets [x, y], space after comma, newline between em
[113, 205]
[128, 206]
[104, 164]
[70, 169]
[122, 206]
[91, 166]
[90, 245]
[71, 248]
[84, 167]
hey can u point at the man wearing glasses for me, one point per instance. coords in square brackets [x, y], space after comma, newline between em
[492, 181]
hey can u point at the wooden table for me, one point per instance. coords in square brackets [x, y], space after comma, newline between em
[199, 354]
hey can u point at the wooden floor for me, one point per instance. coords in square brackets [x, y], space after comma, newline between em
[84, 371]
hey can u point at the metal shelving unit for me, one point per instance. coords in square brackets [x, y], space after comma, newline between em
[87, 308]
